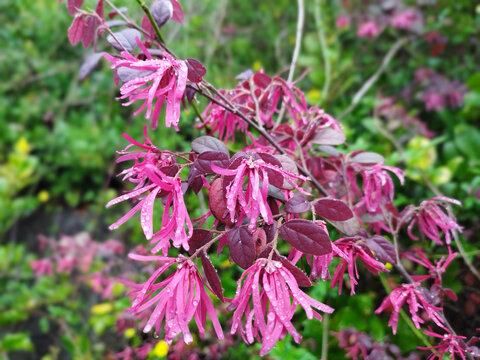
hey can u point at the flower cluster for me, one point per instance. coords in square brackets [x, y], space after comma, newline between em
[274, 295]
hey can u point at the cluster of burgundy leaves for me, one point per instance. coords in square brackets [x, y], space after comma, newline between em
[286, 185]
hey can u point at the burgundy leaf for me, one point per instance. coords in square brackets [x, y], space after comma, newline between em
[208, 143]
[177, 12]
[262, 80]
[306, 236]
[212, 276]
[199, 238]
[289, 165]
[270, 231]
[217, 202]
[367, 157]
[75, 30]
[297, 204]
[299, 275]
[242, 247]
[328, 137]
[126, 38]
[162, 11]
[382, 248]
[148, 28]
[90, 63]
[88, 31]
[273, 177]
[332, 209]
[196, 70]
[99, 10]
[275, 193]
[349, 227]
[204, 161]
[73, 6]
[194, 180]
[450, 294]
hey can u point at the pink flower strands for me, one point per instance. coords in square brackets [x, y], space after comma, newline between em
[415, 300]
[158, 80]
[151, 173]
[278, 298]
[261, 169]
[177, 299]
[378, 186]
[431, 219]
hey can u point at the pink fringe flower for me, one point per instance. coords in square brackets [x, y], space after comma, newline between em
[177, 299]
[412, 294]
[405, 19]
[378, 186]
[449, 343]
[349, 249]
[431, 219]
[369, 29]
[270, 286]
[148, 175]
[257, 173]
[157, 80]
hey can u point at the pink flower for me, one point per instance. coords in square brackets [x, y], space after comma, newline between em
[349, 249]
[405, 19]
[449, 343]
[42, 267]
[378, 186]
[257, 170]
[434, 100]
[435, 271]
[177, 299]
[342, 21]
[431, 219]
[153, 80]
[369, 29]
[150, 174]
[270, 286]
[412, 294]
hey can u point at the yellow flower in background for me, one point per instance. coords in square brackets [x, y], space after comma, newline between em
[23, 146]
[102, 309]
[257, 65]
[388, 266]
[43, 196]
[314, 95]
[160, 349]
[129, 333]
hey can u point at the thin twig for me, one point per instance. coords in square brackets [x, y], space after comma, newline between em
[323, 45]
[324, 355]
[296, 52]
[369, 83]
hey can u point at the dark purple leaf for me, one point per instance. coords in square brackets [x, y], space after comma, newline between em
[273, 204]
[242, 247]
[332, 209]
[382, 248]
[162, 11]
[88, 31]
[275, 192]
[73, 6]
[289, 165]
[75, 30]
[306, 236]
[196, 70]
[262, 80]
[297, 205]
[330, 150]
[199, 238]
[349, 227]
[299, 275]
[270, 231]
[274, 178]
[90, 63]
[217, 202]
[450, 294]
[328, 137]
[126, 38]
[208, 143]
[194, 180]
[212, 276]
[367, 157]
[204, 161]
